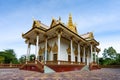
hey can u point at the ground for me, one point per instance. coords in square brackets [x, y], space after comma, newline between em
[102, 74]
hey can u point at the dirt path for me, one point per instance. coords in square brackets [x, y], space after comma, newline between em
[102, 74]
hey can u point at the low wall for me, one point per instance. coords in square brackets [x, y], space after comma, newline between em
[10, 65]
[110, 66]
[63, 68]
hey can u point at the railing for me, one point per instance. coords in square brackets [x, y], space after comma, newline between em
[41, 66]
[63, 62]
[10, 65]
[33, 66]
[93, 66]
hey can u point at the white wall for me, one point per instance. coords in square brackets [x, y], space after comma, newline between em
[64, 45]
[51, 43]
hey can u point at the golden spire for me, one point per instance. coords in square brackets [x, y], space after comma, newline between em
[70, 23]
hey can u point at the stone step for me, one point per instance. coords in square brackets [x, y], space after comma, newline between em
[85, 68]
[48, 69]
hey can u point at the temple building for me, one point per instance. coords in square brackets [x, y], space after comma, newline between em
[61, 45]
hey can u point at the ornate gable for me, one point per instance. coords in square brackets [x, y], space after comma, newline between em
[53, 23]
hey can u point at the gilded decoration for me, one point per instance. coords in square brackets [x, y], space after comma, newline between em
[48, 48]
[68, 50]
[37, 23]
[76, 51]
[55, 48]
[41, 51]
[71, 26]
[53, 22]
[91, 35]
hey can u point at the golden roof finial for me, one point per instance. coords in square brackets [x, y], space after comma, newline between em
[53, 18]
[33, 18]
[71, 26]
[70, 23]
[59, 18]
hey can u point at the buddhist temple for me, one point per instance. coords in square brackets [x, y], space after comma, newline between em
[60, 47]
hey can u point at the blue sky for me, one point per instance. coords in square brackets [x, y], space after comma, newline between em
[102, 17]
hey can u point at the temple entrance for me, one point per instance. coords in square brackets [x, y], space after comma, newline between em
[81, 59]
[40, 58]
[69, 58]
[75, 58]
[55, 57]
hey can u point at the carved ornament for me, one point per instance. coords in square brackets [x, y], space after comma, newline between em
[76, 51]
[48, 48]
[55, 48]
[41, 51]
[68, 50]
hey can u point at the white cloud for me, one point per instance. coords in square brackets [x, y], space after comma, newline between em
[106, 42]
[98, 23]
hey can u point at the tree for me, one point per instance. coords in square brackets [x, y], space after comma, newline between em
[109, 53]
[2, 59]
[105, 54]
[22, 59]
[32, 57]
[9, 56]
[118, 59]
[110, 57]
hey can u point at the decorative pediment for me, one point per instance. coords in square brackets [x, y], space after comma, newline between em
[68, 50]
[36, 23]
[41, 51]
[76, 51]
[54, 22]
[55, 48]
[48, 48]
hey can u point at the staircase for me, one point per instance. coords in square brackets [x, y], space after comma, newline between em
[85, 68]
[94, 66]
[48, 69]
[33, 66]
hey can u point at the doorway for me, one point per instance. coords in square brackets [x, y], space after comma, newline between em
[55, 57]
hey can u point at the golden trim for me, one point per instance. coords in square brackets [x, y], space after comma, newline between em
[55, 48]
[41, 51]
[68, 50]
[48, 48]
[76, 51]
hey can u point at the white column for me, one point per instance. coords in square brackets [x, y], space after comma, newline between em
[98, 58]
[45, 50]
[84, 55]
[95, 55]
[91, 53]
[29, 52]
[59, 35]
[51, 56]
[87, 60]
[36, 50]
[88, 56]
[79, 60]
[72, 54]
